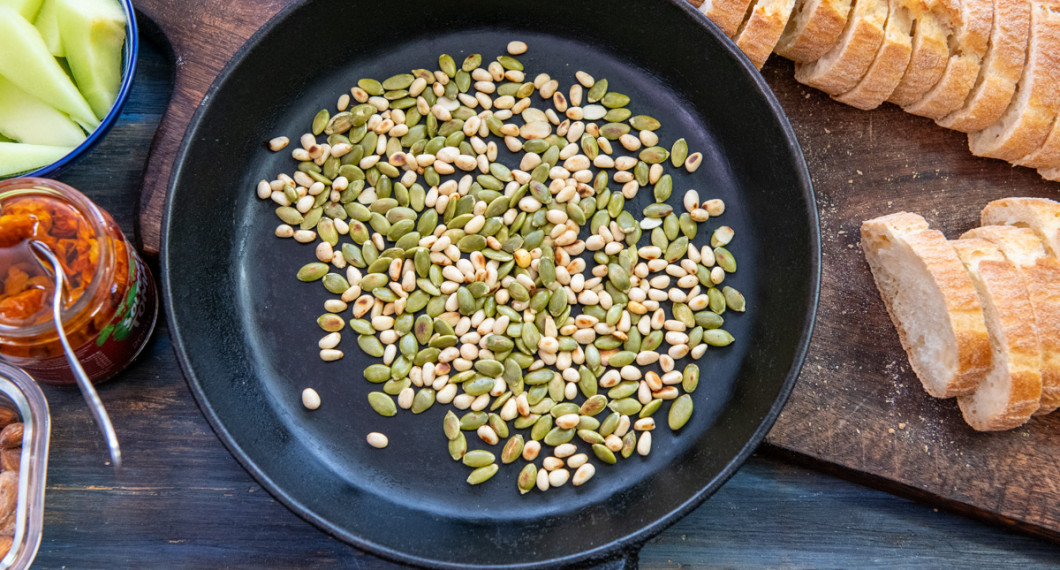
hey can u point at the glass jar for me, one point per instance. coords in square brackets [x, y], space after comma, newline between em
[111, 303]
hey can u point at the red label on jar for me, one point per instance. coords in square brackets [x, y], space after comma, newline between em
[117, 344]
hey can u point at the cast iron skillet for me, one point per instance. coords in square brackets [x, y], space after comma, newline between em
[244, 328]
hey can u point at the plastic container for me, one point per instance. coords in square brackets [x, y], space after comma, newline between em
[128, 70]
[111, 305]
[20, 393]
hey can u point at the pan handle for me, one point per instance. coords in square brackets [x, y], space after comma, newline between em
[202, 35]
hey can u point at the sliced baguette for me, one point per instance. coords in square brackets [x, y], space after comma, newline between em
[927, 62]
[1041, 276]
[1047, 155]
[843, 66]
[813, 29]
[1011, 390]
[1052, 174]
[890, 63]
[759, 34]
[726, 14]
[1001, 69]
[970, 40]
[1039, 214]
[1026, 122]
[931, 300]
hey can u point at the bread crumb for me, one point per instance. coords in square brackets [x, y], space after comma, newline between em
[890, 430]
[901, 425]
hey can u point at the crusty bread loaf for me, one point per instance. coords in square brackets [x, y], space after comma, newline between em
[931, 300]
[726, 14]
[842, 67]
[927, 62]
[1027, 120]
[1011, 390]
[1041, 276]
[812, 30]
[1050, 173]
[1039, 214]
[890, 63]
[1001, 69]
[758, 35]
[971, 35]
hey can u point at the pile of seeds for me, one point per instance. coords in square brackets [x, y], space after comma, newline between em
[518, 296]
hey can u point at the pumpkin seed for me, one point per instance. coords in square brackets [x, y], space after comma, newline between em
[680, 412]
[383, 405]
[478, 458]
[458, 447]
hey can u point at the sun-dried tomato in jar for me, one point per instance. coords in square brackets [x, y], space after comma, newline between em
[110, 304]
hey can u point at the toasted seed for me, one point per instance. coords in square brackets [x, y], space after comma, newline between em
[482, 474]
[382, 404]
[583, 474]
[377, 440]
[451, 425]
[458, 447]
[680, 412]
[513, 449]
[527, 478]
[310, 399]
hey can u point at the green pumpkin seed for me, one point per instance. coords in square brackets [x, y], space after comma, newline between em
[482, 474]
[478, 458]
[383, 405]
[557, 436]
[527, 478]
[451, 425]
[620, 359]
[471, 421]
[663, 188]
[377, 373]
[320, 121]
[650, 408]
[458, 447]
[725, 259]
[312, 271]
[734, 299]
[629, 444]
[690, 378]
[613, 100]
[423, 400]
[610, 424]
[717, 337]
[658, 210]
[654, 155]
[680, 412]
[679, 153]
[447, 65]
[645, 123]
[604, 454]
[370, 345]
[513, 449]
[597, 91]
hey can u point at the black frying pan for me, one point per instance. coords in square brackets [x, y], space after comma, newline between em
[244, 328]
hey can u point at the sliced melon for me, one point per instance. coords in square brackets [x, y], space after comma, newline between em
[21, 157]
[47, 24]
[26, 61]
[28, 8]
[26, 118]
[93, 32]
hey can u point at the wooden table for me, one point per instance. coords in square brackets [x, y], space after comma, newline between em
[183, 502]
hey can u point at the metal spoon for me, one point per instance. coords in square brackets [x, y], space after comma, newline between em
[87, 389]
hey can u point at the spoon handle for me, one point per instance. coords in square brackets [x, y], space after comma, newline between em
[87, 389]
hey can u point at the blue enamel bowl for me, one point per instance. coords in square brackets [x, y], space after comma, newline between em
[129, 52]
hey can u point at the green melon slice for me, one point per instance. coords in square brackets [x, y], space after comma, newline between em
[93, 32]
[28, 8]
[27, 119]
[26, 61]
[21, 157]
[47, 24]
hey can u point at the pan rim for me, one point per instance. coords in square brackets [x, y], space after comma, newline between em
[619, 547]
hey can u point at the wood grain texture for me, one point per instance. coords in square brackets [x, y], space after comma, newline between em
[182, 501]
[856, 386]
[203, 36]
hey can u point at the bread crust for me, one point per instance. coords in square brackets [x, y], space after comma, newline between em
[1041, 276]
[952, 286]
[726, 14]
[1011, 391]
[972, 38]
[1029, 117]
[1052, 174]
[1040, 214]
[1001, 69]
[842, 67]
[927, 62]
[890, 63]
[813, 29]
[760, 33]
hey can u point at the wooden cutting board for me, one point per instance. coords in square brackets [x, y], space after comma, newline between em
[857, 409]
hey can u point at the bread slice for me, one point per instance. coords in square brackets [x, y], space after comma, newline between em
[1047, 155]
[1011, 390]
[727, 14]
[1039, 214]
[969, 42]
[760, 32]
[840, 70]
[813, 29]
[931, 300]
[890, 63]
[927, 62]
[1041, 276]
[1050, 173]
[1026, 122]
[1001, 69]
